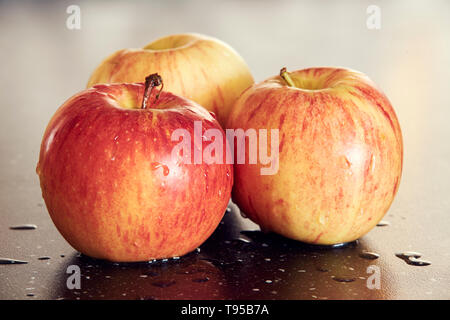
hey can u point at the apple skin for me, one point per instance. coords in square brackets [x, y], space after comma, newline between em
[340, 155]
[110, 184]
[203, 69]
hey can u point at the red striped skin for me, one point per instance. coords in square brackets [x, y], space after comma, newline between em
[109, 182]
[341, 155]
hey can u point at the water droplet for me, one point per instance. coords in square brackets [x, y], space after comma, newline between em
[321, 269]
[383, 223]
[339, 279]
[372, 164]
[412, 258]
[163, 283]
[228, 210]
[369, 255]
[11, 261]
[199, 280]
[244, 239]
[347, 162]
[62, 256]
[157, 165]
[268, 281]
[322, 218]
[24, 227]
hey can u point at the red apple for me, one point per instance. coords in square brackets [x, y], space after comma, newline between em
[340, 155]
[109, 180]
[201, 68]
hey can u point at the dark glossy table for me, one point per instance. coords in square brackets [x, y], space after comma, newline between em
[43, 64]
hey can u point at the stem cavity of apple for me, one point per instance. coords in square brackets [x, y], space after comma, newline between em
[151, 81]
[286, 77]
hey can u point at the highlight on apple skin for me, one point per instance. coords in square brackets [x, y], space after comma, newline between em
[109, 181]
[340, 155]
[201, 68]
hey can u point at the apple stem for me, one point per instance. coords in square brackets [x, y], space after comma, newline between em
[285, 75]
[151, 82]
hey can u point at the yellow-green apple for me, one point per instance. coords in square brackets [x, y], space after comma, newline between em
[340, 155]
[200, 68]
[113, 185]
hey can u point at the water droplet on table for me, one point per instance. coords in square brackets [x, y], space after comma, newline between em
[163, 283]
[199, 280]
[369, 255]
[24, 227]
[383, 223]
[340, 279]
[44, 258]
[12, 261]
[412, 258]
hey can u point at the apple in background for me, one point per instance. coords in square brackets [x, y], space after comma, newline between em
[340, 155]
[110, 183]
[200, 68]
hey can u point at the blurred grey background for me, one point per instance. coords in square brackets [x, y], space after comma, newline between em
[43, 63]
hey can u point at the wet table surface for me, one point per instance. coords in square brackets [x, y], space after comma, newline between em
[408, 57]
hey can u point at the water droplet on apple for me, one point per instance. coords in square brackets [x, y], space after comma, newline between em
[322, 218]
[372, 162]
[213, 115]
[347, 162]
[157, 165]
